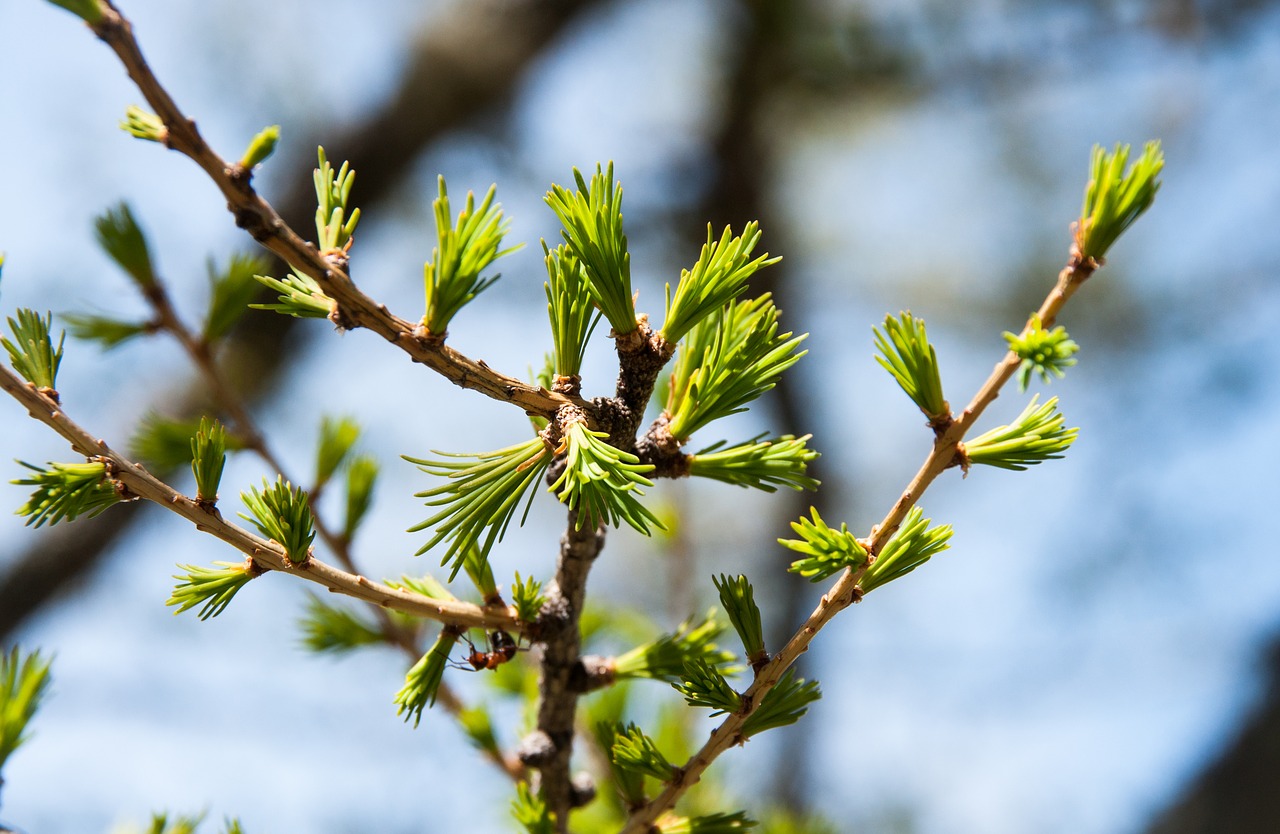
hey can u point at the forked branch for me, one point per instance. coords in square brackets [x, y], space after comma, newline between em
[845, 591]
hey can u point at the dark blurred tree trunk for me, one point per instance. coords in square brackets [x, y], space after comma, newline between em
[1239, 793]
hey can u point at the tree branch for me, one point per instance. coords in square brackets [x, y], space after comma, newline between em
[845, 591]
[266, 554]
[563, 679]
[353, 309]
[466, 62]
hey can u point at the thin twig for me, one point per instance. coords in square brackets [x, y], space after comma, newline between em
[255, 215]
[266, 554]
[255, 440]
[844, 592]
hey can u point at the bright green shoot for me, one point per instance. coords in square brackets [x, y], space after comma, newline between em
[66, 491]
[592, 220]
[24, 683]
[32, 352]
[212, 588]
[1038, 434]
[1116, 196]
[463, 250]
[601, 482]
[720, 275]
[728, 360]
[905, 353]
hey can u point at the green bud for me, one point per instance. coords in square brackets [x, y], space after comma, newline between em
[260, 147]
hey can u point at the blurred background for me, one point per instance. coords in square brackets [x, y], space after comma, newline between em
[1094, 654]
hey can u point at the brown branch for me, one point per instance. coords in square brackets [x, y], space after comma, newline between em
[266, 554]
[468, 61]
[352, 308]
[641, 357]
[845, 591]
[563, 678]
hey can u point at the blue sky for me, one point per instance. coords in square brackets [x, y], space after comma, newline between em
[1082, 649]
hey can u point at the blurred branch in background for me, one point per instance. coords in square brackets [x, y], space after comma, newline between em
[1236, 793]
[778, 49]
[465, 63]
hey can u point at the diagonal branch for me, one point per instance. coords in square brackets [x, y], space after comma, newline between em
[354, 309]
[467, 62]
[265, 554]
[845, 591]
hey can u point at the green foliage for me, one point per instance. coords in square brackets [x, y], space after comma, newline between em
[782, 705]
[634, 751]
[667, 657]
[32, 352]
[362, 474]
[334, 223]
[423, 681]
[426, 585]
[702, 685]
[527, 597]
[161, 824]
[104, 329]
[260, 147]
[480, 573]
[90, 11]
[531, 812]
[570, 308]
[335, 629]
[165, 443]
[709, 824]
[24, 682]
[738, 599]
[66, 491]
[826, 551]
[628, 782]
[719, 276]
[182, 825]
[1116, 197]
[299, 296]
[727, 361]
[144, 125]
[779, 820]
[905, 353]
[482, 493]
[122, 239]
[761, 464]
[463, 250]
[601, 482]
[208, 457]
[592, 220]
[231, 289]
[910, 547]
[1047, 352]
[282, 514]
[1035, 436]
[337, 436]
[213, 588]
[477, 724]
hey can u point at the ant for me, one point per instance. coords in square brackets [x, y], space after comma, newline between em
[502, 648]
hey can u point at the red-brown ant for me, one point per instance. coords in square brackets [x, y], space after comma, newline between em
[502, 648]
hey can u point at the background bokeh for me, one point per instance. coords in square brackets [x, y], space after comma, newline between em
[1091, 643]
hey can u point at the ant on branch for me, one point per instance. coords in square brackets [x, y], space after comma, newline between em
[502, 648]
